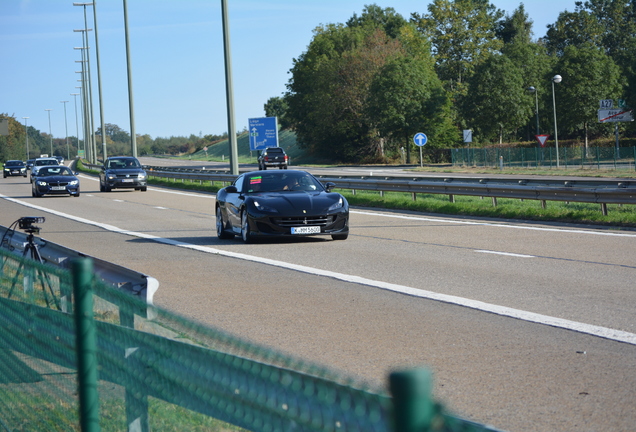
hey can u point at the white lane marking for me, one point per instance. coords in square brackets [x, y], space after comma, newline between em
[506, 254]
[603, 332]
[497, 225]
[198, 195]
[161, 208]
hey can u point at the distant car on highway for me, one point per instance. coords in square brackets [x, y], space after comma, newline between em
[55, 180]
[29, 163]
[60, 159]
[40, 162]
[122, 172]
[273, 157]
[14, 168]
[280, 204]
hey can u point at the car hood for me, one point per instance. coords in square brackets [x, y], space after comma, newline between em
[57, 179]
[124, 171]
[298, 202]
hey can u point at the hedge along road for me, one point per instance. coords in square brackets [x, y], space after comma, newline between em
[513, 373]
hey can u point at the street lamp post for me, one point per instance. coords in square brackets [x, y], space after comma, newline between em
[75, 95]
[68, 151]
[555, 79]
[26, 130]
[531, 89]
[50, 133]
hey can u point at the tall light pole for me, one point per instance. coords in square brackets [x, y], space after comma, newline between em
[99, 77]
[555, 79]
[26, 130]
[133, 133]
[75, 95]
[68, 152]
[50, 134]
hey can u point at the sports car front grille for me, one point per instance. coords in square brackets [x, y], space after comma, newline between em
[302, 220]
[58, 183]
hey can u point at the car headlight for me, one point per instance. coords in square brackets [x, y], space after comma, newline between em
[264, 208]
[74, 182]
[141, 176]
[111, 176]
[336, 205]
[41, 183]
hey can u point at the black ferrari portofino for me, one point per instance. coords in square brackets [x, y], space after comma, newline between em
[280, 203]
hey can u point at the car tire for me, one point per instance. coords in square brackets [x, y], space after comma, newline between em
[35, 194]
[285, 167]
[245, 229]
[143, 188]
[77, 194]
[221, 233]
[340, 236]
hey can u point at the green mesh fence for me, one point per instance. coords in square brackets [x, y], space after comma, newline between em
[573, 157]
[169, 373]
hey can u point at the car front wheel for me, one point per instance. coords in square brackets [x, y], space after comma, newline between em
[220, 226]
[245, 228]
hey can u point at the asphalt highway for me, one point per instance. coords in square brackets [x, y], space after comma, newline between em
[525, 326]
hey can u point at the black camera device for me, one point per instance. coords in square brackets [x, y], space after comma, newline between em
[26, 223]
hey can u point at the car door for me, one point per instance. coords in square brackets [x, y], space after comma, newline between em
[234, 203]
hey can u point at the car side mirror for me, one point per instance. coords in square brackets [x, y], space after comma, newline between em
[329, 186]
[231, 189]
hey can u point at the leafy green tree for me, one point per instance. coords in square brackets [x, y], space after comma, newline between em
[462, 33]
[278, 107]
[375, 17]
[329, 86]
[407, 97]
[13, 146]
[609, 25]
[588, 76]
[532, 60]
[497, 100]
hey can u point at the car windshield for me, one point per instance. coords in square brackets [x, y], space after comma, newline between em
[43, 162]
[14, 163]
[123, 163]
[55, 171]
[278, 182]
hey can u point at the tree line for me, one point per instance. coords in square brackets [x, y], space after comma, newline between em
[118, 142]
[362, 89]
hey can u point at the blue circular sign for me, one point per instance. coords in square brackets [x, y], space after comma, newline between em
[420, 139]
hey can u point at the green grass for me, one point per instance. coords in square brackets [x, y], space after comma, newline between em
[30, 411]
[507, 208]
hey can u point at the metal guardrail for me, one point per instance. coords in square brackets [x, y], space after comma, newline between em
[138, 284]
[602, 192]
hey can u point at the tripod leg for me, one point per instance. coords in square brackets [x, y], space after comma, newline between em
[44, 278]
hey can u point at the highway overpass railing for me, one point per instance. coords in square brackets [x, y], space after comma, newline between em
[598, 191]
[76, 368]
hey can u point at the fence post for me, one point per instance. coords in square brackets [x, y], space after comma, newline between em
[86, 345]
[413, 407]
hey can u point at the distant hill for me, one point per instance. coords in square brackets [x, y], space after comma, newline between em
[286, 140]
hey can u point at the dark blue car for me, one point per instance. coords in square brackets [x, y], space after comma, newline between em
[55, 180]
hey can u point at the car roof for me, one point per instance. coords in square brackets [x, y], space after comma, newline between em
[14, 160]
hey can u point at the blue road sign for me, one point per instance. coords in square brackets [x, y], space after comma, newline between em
[420, 139]
[263, 133]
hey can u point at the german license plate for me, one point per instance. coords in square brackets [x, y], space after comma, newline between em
[306, 230]
[127, 180]
[57, 188]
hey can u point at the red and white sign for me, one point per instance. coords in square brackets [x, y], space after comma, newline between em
[542, 139]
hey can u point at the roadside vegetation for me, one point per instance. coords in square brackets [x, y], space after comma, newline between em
[555, 211]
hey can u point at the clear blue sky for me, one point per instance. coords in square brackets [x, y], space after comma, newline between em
[177, 57]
